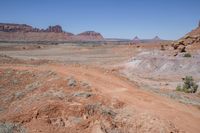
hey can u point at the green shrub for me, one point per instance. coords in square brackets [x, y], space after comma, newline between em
[178, 88]
[11, 128]
[187, 55]
[189, 85]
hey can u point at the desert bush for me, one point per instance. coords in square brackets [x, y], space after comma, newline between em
[178, 88]
[187, 55]
[162, 48]
[71, 82]
[189, 85]
[11, 128]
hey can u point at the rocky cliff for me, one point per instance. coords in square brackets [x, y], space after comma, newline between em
[5, 27]
[23, 32]
[89, 35]
[156, 38]
[191, 38]
[136, 40]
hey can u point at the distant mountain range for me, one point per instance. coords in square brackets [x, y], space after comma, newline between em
[24, 32]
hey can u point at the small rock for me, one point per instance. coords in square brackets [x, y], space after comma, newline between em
[176, 53]
[175, 46]
[75, 120]
[108, 111]
[82, 94]
[32, 86]
[182, 49]
[19, 95]
[85, 85]
[15, 81]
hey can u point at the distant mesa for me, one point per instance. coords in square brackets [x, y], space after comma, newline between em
[56, 28]
[7, 27]
[89, 35]
[156, 38]
[135, 40]
[24, 32]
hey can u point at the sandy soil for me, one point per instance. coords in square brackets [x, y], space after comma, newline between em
[84, 89]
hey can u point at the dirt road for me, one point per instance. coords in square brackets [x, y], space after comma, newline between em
[185, 117]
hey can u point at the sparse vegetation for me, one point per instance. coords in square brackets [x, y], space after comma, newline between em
[11, 128]
[187, 55]
[162, 48]
[178, 88]
[72, 82]
[189, 85]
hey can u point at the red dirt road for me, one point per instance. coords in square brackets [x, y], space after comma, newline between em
[185, 117]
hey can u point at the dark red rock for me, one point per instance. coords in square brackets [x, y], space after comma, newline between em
[23, 32]
[6, 27]
[156, 38]
[15, 27]
[56, 29]
[89, 36]
[135, 40]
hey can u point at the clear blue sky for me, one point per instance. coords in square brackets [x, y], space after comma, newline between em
[169, 19]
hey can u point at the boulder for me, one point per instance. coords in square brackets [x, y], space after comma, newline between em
[182, 49]
[82, 94]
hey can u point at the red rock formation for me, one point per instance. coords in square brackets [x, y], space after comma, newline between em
[23, 32]
[89, 35]
[56, 28]
[34, 36]
[156, 38]
[15, 27]
[191, 38]
[5, 27]
[136, 38]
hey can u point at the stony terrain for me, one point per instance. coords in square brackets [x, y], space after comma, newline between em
[59, 98]
[161, 69]
[98, 88]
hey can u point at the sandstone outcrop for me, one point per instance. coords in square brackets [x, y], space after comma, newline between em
[156, 38]
[89, 35]
[191, 38]
[15, 27]
[23, 32]
[135, 40]
[56, 28]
